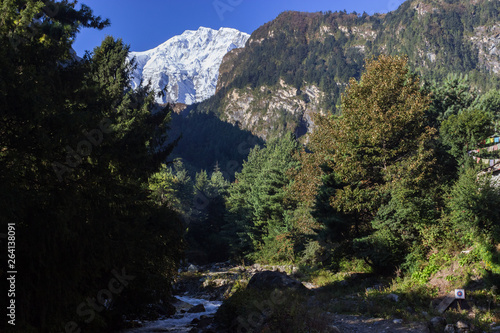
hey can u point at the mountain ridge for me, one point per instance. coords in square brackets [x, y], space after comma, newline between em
[304, 52]
[186, 67]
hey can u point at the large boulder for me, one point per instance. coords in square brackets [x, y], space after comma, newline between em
[438, 324]
[273, 280]
[197, 309]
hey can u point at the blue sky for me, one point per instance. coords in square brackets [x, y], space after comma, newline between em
[148, 23]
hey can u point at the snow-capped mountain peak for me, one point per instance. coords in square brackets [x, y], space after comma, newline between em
[187, 65]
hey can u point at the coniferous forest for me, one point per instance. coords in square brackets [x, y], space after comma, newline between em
[110, 194]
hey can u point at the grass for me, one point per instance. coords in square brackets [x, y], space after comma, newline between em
[357, 290]
[415, 302]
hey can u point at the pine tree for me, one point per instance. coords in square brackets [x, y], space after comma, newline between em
[77, 149]
[451, 97]
[462, 132]
[256, 202]
[472, 209]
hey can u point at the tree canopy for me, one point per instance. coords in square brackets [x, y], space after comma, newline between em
[77, 149]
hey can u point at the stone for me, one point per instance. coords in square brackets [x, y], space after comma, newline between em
[197, 309]
[272, 280]
[397, 321]
[437, 322]
[192, 268]
[309, 285]
[202, 322]
[165, 309]
[333, 329]
[181, 306]
[462, 325]
[393, 297]
[449, 329]
[420, 328]
[410, 310]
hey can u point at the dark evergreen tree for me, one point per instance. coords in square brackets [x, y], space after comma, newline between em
[205, 235]
[256, 202]
[77, 149]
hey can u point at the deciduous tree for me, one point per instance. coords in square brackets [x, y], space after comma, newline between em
[380, 143]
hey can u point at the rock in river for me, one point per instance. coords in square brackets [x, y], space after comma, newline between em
[271, 280]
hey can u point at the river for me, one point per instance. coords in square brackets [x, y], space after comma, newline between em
[180, 321]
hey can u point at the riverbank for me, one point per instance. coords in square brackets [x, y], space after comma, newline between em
[326, 302]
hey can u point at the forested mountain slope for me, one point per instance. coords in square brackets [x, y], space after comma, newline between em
[300, 63]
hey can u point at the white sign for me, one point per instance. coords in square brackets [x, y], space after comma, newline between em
[459, 294]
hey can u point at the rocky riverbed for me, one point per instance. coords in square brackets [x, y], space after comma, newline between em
[190, 311]
[200, 291]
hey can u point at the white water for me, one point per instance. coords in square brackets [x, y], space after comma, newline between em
[179, 322]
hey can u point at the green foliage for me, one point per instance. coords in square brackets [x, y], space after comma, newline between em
[172, 186]
[338, 226]
[77, 150]
[490, 256]
[354, 265]
[472, 208]
[379, 163]
[380, 137]
[205, 227]
[202, 205]
[313, 253]
[382, 250]
[435, 262]
[327, 49]
[257, 210]
[462, 131]
[409, 212]
[490, 103]
[451, 97]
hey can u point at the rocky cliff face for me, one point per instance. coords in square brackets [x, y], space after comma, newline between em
[487, 41]
[269, 111]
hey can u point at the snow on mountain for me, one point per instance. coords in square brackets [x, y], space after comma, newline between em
[188, 64]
